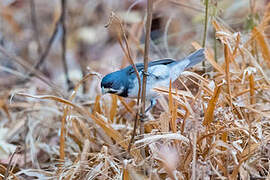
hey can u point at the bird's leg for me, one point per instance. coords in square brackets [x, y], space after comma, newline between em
[153, 103]
[143, 116]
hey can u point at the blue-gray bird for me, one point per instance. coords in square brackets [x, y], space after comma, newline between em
[125, 83]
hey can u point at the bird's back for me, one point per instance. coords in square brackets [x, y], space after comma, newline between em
[140, 66]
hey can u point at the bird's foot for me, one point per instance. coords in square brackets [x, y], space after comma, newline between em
[153, 103]
[143, 117]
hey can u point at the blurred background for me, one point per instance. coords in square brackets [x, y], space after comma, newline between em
[27, 26]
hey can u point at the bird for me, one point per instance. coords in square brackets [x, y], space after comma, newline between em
[124, 82]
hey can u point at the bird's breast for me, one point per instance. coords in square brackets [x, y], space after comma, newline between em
[154, 80]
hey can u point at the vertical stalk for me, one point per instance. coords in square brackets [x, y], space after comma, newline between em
[34, 24]
[63, 22]
[205, 30]
[146, 53]
[215, 45]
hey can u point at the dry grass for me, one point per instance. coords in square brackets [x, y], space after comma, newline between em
[213, 126]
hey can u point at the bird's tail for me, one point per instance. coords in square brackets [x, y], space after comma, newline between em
[196, 57]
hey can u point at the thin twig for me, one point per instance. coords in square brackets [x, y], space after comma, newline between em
[83, 66]
[193, 176]
[10, 161]
[205, 24]
[215, 45]
[40, 49]
[25, 140]
[33, 71]
[146, 53]
[185, 5]
[62, 20]
[127, 52]
[48, 47]
[205, 30]
[134, 128]
[139, 92]
[34, 24]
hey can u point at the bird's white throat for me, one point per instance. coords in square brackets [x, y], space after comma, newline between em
[111, 90]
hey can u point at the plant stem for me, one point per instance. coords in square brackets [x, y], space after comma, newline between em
[215, 45]
[64, 60]
[146, 53]
[205, 30]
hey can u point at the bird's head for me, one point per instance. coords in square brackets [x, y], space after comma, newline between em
[113, 83]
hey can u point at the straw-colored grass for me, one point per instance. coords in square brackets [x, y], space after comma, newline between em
[205, 126]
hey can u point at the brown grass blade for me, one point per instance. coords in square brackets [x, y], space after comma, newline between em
[209, 115]
[125, 175]
[266, 18]
[85, 131]
[49, 97]
[248, 151]
[84, 155]
[184, 121]
[221, 166]
[222, 32]
[187, 159]
[164, 122]
[173, 110]
[205, 88]
[234, 53]
[248, 90]
[224, 138]
[264, 114]
[227, 70]
[236, 45]
[97, 108]
[187, 94]
[115, 135]
[195, 75]
[263, 44]
[76, 130]
[113, 110]
[252, 89]
[170, 98]
[216, 25]
[173, 119]
[75, 139]
[128, 106]
[62, 139]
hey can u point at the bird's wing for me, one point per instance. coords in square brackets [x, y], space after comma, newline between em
[159, 72]
[161, 62]
[140, 66]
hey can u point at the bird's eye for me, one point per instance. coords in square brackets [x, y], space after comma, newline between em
[130, 71]
[108, 85]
